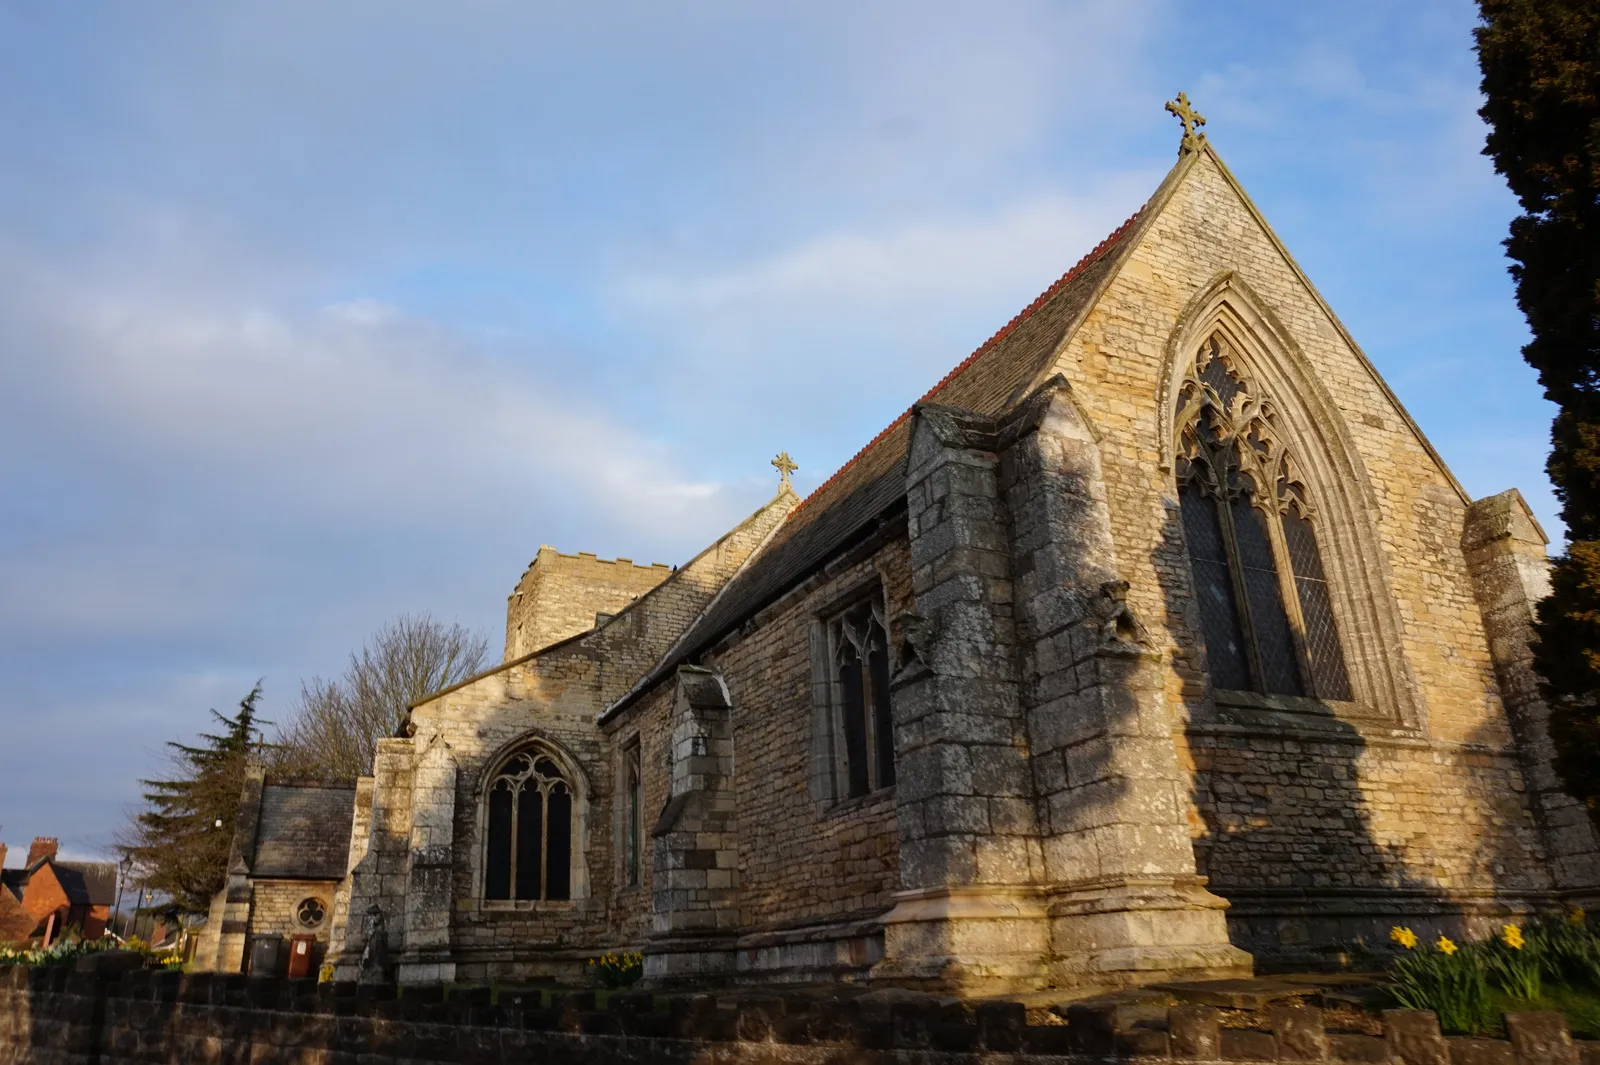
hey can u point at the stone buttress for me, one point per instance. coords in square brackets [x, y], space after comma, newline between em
[1505, 551]
[1042, 807]
[695, 901]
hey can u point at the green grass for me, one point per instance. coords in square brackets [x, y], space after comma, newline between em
[1581, 1005]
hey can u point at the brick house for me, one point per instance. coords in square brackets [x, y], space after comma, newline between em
[48, 897]
[1154, 641]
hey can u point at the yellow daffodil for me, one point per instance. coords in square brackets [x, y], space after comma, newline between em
[1511, 936]
[1403, 936]
[1576, 917]
[1445, 946]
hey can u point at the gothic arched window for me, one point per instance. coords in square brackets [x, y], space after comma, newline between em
[859, 652]
[528, 851]
[1250, 529]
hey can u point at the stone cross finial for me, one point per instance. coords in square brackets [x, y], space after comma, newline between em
[785, 466]
[1192, 121]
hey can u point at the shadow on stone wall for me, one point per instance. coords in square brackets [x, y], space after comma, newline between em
[1287, 798]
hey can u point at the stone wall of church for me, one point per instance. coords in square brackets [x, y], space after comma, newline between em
[801, 863]
[273, 905]
[422, 860]
[550, 699]
[1410, 800]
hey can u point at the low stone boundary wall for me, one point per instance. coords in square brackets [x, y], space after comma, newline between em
[59, 1017]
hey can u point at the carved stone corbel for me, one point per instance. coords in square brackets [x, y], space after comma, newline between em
[1120, 630]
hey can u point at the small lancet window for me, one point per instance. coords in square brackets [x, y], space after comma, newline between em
[529, 839]
[633, 816]
[858, 645]
[1250, 531]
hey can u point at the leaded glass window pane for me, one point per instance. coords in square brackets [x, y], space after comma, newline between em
[635, 816]
[558, 876]
[530, 811]
[854, 714]
[497, 875]
[1274, 643]
[1219, 616]
[1328, 671]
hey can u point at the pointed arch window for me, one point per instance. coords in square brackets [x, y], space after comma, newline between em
[1251, 534]
[633, 815]
[858, 645]
[529, 838]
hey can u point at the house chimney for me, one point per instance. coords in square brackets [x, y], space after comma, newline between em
[41, 848]
[2, 855]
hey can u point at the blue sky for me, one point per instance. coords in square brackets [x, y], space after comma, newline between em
[312, 314]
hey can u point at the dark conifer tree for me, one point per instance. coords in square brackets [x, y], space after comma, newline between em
[1541, 76]
[176, 841]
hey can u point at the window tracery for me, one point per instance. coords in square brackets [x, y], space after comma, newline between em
[858, 645]
[1250, 529]
[528, 845]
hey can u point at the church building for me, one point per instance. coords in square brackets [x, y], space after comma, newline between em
[1155, 641]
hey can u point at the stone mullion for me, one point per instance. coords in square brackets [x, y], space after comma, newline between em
[512, 843]
[544, 843]
[1289, 592]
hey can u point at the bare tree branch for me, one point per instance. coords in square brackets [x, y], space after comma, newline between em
[335, 727]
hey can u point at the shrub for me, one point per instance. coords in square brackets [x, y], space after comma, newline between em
[617, 970]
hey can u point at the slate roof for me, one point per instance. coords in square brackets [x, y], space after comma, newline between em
[304, 832]
[84, 883]
[869, 486]
[88, 883]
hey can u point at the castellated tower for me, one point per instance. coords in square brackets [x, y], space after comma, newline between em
[561, 595]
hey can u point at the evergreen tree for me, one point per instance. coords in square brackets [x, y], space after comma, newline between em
[1541, 76]
[180, 840]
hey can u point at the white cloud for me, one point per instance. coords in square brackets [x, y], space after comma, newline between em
[970, 258]
[357, 409]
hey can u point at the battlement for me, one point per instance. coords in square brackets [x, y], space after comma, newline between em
[560, 595]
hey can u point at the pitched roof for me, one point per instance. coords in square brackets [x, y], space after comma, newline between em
[88, 883]
[868, 486]
[304, 832]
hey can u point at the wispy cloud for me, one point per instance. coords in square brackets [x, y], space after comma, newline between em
[315, 313]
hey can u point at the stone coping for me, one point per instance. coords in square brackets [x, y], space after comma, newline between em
[149, 1016]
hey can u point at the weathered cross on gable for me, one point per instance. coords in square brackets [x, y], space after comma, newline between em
[1192, 120]
[785, 466]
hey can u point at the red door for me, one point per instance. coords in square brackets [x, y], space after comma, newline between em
[300, 956]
